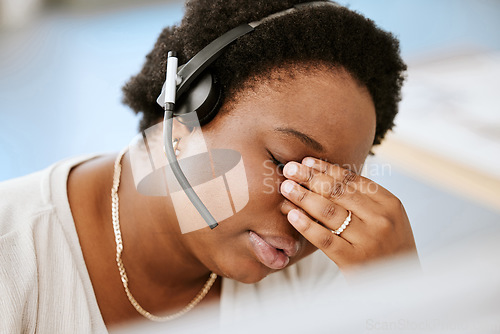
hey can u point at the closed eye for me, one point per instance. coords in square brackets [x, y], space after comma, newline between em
[275, 161]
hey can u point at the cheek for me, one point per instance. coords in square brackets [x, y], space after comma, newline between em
[264, 180]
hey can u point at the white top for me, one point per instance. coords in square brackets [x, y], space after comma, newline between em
[44, 283]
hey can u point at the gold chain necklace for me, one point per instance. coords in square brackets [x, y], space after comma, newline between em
[119, 249]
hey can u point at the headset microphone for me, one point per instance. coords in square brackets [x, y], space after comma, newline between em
[169, 106]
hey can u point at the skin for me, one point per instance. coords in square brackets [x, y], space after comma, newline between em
[166, 268]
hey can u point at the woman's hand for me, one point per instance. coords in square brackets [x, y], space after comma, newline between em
[379, 225]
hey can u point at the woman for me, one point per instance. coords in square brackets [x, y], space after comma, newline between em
[310, 91]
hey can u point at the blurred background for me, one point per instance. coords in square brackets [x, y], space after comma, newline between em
[63, 62]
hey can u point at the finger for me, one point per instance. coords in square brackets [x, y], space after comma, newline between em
[348, 177]
[341, 193]
[332, 245]
[323, 210]
[287, 206]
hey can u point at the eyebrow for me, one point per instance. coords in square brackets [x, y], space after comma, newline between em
[302, 137]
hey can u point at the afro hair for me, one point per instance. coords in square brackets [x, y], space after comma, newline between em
[327, 35]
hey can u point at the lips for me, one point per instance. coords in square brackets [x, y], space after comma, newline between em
[272, 251]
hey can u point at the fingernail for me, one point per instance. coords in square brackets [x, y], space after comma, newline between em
[287, 187]
[308, 162]
[290, 169]
[293, 216]
[284, 206]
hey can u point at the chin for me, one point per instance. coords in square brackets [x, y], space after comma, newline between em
[246, 271]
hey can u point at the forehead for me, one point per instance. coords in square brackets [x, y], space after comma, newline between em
[330, 106]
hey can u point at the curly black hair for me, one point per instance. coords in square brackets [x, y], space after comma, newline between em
[327, 35]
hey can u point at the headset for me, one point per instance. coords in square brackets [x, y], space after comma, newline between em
[192, 88]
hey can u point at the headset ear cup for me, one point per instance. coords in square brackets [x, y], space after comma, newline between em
[211, 108]
[203, 97]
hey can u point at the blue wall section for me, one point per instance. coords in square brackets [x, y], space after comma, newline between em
[60, 84]
[424, 26]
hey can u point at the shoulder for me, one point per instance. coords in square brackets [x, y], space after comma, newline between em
[25, 198]
[33, 209]
[37, 264]
[21, 199]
